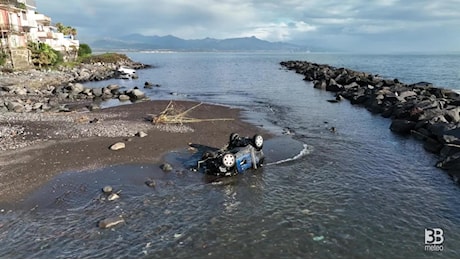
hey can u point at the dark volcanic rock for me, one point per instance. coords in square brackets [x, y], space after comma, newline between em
[429, 113]
[402, 126]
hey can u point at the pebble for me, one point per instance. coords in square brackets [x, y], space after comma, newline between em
[141, 134]
[117, 146]
[110, 222]
[166, 167]
[318, 238]
[150, 183]
[107, 189]
[113, 196]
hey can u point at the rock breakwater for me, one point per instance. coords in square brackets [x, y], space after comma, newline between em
[430, 114]
[51, 90]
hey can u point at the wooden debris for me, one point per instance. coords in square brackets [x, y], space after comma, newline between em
[172, 115]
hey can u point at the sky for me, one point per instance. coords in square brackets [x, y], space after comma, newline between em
[379, 26]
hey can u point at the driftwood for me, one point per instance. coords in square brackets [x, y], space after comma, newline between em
[172, 115]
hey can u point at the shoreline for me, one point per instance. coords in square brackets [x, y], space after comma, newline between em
[61, 89]
[428, 113]
[81, 141]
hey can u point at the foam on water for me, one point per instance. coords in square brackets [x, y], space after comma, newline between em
[306, 150]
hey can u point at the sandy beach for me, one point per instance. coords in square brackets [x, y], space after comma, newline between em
[48, 144]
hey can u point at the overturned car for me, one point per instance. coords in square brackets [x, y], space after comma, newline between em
[241, 154]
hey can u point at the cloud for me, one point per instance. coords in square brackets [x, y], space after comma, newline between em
[346, 24]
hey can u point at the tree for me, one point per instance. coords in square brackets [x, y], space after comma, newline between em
[43, 55]
[66, 30]
[84, 50]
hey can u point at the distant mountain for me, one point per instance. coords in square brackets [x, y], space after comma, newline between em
[170, 42]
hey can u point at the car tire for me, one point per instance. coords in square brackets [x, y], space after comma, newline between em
[228, 160]
[233, 137]
[258, 142]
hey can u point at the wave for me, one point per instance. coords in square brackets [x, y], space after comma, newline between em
[305, 151]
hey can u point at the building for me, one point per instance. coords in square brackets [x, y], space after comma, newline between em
[20, 23]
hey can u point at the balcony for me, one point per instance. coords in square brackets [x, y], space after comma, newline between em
[47, 35]
[43, 19]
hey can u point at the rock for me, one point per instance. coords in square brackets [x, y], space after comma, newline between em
[77, 88]
[453, 115]
[166, 167]
[15, 107]
[334, 86]
[450, 163]
[107, 189]
[429, 113]
[406, 94]
[432, 145]
[113, 196]
[20, 91]
[113, 87]
[451, 136]
[97, 92]
[402, 126]
[93, 107]
[110, 222]
[117, 146]
[123, 98]
[318, 238]
[150, 183]
[141, 134]
[148, 85]
[320, 84]
[136, 94]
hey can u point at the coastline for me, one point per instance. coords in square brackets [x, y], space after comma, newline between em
[75, 141]
[428, 113]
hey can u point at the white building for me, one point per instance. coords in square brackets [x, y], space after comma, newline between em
[20, 23]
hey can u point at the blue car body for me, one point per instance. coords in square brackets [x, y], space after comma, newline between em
[240, 155]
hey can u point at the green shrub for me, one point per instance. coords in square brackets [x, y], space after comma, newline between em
[84, 50]
[106, 58]
[3, 58]
[43, 55]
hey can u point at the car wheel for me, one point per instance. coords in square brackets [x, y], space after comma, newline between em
[228, 160]
[258, 142]
[233, 137]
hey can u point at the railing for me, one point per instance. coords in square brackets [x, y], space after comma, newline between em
[11, 28]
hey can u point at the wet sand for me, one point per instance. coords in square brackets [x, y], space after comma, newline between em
[26, 169]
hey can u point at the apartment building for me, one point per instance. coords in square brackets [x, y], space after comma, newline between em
[20, 23]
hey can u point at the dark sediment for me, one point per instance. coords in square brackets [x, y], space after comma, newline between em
[430, 114]
[52, 143]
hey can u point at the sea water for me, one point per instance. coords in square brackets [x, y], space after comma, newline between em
[359, 191]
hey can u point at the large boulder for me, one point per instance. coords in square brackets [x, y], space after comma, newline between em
[15, 107]
[451, 136]
[450, 163]
[76, 88]
[453, 115]
[402, 126]
[97, 92]
[432, 145]
[136, 94]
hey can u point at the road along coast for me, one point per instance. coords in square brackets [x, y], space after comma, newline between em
[430, 114]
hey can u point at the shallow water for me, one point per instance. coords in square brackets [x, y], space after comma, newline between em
[361, 191]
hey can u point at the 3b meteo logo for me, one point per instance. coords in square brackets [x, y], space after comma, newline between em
[434, 237]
